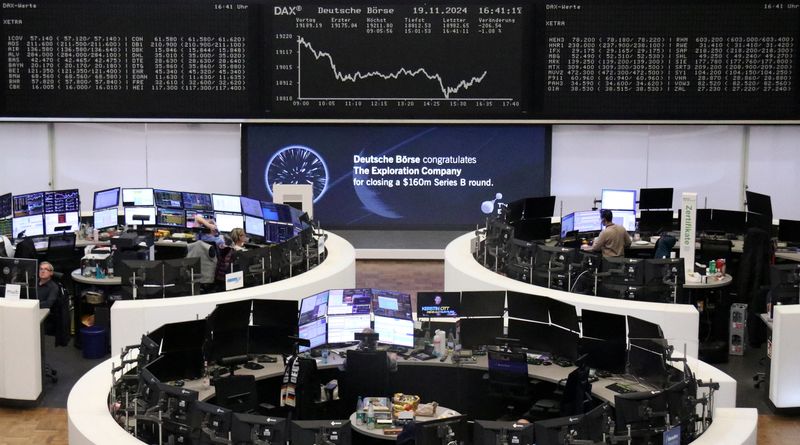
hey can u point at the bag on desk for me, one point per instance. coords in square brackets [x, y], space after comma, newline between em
[427, 409]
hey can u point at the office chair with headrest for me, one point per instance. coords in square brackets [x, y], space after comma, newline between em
[577, 396]
[61, 252]
[664, 246]
[509, 382]
[712, 249]
[25, 249]
[366, 374]
[57, 322]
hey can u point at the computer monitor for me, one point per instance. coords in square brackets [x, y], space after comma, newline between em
[613, 199]
[197, 201]
[142, 197]
[170, 217]
[26, 226]
[655, 221]
[567, 224]
[133, 216]
[28, 204]
[349, 301]
[211, 423]
[104, 199]
[269, 211]
[587, 221]
[226, 222]
[105, 218]
[789, 231]
[176, 402]
[643, 410]
[758, 203]
[586, 428]
[728, 221]
[438, 304]
[532, 335]
[278, 232]
[148, 390]
[638, 328]
[7, 227]
[342, 328]
[490, 303]
[274, 322]
[490, 432]
[624, 218]
[230, 316]
[321, 432]
[6, 209]
[603, 325]
[62, 201]
[392, 304]
[533, 229]
[395, 331]
[443, 430]
[226, 203]
[784, 283]
[554, 258]
[664, 271]
[760, 221]
[22, 271]
[251, 428]
[528, 208]
[655, 198]
[55, 223]
[254, 226]
[251, 207]
[647, 360]
[477, 332]
[312, 322]
[627, 271]
[149, 276]
[605, 355]
[528, 306]
[190, 214]
[563, 314]
[564, 343]
[168, 199]
[181, 273]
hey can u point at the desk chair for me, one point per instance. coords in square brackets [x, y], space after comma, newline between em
[57, 323]
[712, 249]
[367, 374]
[508, 381]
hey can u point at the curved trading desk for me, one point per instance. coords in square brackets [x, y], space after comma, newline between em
[680, 322]
[91, 423]
[131, 318]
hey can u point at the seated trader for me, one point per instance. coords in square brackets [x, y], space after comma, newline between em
[612, 240]
[47, 288]
[239, 238]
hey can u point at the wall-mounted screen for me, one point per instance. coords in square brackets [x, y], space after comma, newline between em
[400, 176]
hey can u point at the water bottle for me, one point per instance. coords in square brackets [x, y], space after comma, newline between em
[206, 377]
[451, 341]
[360, 411]
[370, 417]
[325, 352]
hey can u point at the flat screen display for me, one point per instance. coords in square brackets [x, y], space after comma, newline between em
[625, 219]
[373, 176]
[567, 224]
[253, 226]
[349, 301]
[5, 206]
[104, 199]
[137, 197]
[197, 201]
[29, 204]
[315, 332]
[226, 203]
[190, 214]
[312, 321]
[438, 304]
[342, 328]
[655, 198]
[789, 230]
[587, 221]
[251, 207]
[32, 226]
[168, 199]
[62, 201]
[66, 222]
[618, 199]
[105, 218]
[395, 331]
[391, 304]
[130, 212]
[226, 222]
[170, 217]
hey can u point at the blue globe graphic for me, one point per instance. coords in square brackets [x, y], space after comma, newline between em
[297, 164]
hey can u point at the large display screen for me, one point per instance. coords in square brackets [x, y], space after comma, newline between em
[446, 59]
[405, 176]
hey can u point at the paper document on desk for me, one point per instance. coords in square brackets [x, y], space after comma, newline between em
[13, 291]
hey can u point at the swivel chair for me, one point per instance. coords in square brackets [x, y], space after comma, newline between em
[57, 323]
[711, 249]
[509, 382]
[366, 374]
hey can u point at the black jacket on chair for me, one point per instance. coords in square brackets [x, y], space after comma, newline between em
[58, 321]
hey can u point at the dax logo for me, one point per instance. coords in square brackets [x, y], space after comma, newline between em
[287, 10]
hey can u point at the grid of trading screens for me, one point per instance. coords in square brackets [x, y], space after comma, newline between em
[262, 221]
[335, 316]
[43, 213]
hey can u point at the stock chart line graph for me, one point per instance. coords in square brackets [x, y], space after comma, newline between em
[447, 90]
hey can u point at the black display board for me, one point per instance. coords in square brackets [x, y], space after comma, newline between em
[269, 59]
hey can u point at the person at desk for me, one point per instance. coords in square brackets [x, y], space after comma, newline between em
[47, 289]
[239, 239]
[209, 232]
[612, 240]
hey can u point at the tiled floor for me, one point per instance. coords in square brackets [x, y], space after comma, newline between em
[49, 425]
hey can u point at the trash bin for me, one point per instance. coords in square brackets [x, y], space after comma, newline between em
[93, 341]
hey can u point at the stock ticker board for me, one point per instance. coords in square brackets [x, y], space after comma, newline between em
[259, 59]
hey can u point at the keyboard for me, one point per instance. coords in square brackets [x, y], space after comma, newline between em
[620, 388]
